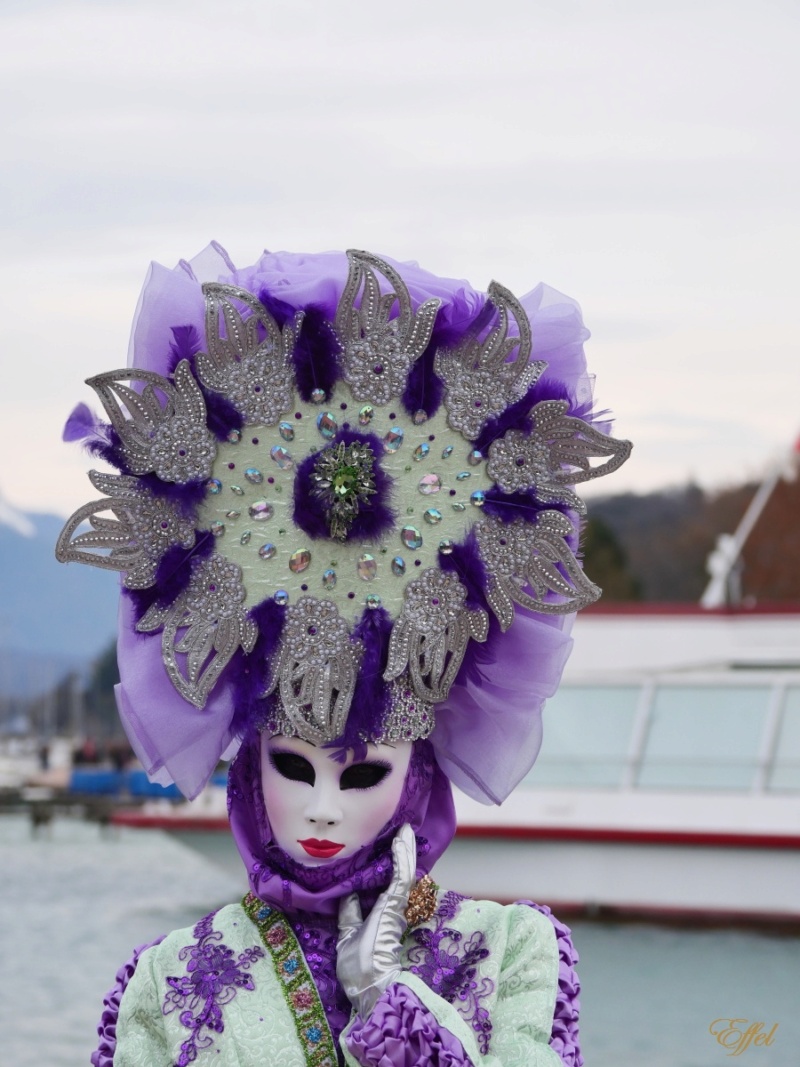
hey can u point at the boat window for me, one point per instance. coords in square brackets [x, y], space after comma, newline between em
[587, 736]
[704, 737]
[786, 768]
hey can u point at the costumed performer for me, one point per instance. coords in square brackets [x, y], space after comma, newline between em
[347, 528]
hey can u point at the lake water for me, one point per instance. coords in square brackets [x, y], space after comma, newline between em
[76, 900]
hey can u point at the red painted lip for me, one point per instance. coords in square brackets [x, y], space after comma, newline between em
[320, 850]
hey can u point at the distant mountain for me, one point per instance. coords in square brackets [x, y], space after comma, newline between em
[62, 615]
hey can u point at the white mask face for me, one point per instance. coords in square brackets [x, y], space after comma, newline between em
[321, 810]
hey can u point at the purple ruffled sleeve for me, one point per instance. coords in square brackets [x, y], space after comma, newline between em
[564, 1038]
[103, 1056]
[401, 1032]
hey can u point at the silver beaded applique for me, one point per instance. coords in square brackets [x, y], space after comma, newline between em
[211, 613]
[536, 554]
[430, 637]
[547, 458]
[169, 439]
[250, 362]
[481, 378]
[316, 670]
[379, 350]
[143, 527]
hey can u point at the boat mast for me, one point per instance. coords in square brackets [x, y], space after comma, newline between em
[722, 564]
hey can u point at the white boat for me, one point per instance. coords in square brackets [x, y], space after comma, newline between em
[669, 789]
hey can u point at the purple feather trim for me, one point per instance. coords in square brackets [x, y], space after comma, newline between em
[187, 496]
[518, 416]
[280, 311]
[465, 561]
[510, 506]
[425, 389]
[250, 673]
[173, 574]
[316, 355]
[185, 344]
[84, 425]
[370, 706]
[375, 517]
[221, 415]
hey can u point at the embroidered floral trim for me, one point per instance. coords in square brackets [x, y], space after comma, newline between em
[447, 963]
[298, 986]
[212, 980]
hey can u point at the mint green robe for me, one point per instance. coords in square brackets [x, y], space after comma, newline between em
[272, 1014]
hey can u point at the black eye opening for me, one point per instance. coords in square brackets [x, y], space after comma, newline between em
[363, 775]
[295, 768]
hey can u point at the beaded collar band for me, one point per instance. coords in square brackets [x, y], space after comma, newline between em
[321, 503]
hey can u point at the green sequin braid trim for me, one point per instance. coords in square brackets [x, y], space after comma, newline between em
[299, 990]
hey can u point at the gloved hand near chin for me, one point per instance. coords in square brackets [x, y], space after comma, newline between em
[369, 949]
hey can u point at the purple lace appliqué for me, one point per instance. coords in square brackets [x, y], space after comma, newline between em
[212, 980]
[447, 963]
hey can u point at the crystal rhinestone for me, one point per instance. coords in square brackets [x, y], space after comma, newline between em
[432, 516]
[430, 483]
[372, 600]
[286, 430]
[446, 546]
[459, 507]
[419, 417]
[299, 561]
[475, 457]
[393, 439]
[421, 451]
[398, 566]
[261, 510]
[245, 538]
[267, 551]
[281, 596]
[237, 490]
[478, 498]
[365, 414]
[367, 567]
[411, 537]
[282, 457]
[463, 475]
[447, 452]
[217, 528]
[329, 579]
[234, 436]
[327, 425]
[213, 486]
[232, 514]
[317, 396]
[254, 475]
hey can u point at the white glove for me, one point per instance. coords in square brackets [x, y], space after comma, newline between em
[368, 960]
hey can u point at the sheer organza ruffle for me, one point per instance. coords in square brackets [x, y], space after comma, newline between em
[402, 1032]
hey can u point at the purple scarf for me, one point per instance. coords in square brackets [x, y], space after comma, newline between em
[426, 803]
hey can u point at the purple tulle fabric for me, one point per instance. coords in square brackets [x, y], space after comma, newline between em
[173, 740]
[565, 1037]
[426, 804]
[489, 730]
[103, 1056]
[401, 1032]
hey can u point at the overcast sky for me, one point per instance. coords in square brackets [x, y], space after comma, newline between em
[642, 157]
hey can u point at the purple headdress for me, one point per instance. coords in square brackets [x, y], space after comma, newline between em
[340, 481]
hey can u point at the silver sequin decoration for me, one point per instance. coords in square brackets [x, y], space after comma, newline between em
[378, 348]
[249, 355]
[480, 376]
[431, 635]
[316, 670]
